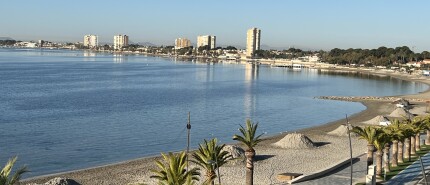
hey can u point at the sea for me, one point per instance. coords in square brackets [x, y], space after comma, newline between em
[63, 110]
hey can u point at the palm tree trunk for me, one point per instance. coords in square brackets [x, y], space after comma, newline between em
[210, 176]
[378, 163]
[413, 151]
[249, 154]
[400, 153]
[428, 137]
[408, 149]
[394, 153]
[370, 149]
[417, 142]
[386, 161]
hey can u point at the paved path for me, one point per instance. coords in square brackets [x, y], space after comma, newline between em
[341, 176]
[412, 174]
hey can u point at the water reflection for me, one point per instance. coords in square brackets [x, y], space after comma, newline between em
[206, 74]
[250, 98]
[89, 56]
[119, 58]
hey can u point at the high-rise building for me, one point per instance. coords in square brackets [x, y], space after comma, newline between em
[182, 43]
[252, 41]
[91, 41]
[206, 40]
[120, 41]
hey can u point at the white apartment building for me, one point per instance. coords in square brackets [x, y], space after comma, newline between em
[206, 40]
[253, 36]
[182, 43]
[91, 41]
[120, 41]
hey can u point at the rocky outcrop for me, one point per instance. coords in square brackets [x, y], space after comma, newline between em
[237, 154]
[59, 181]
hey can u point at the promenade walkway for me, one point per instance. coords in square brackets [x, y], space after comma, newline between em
[412, 174]
[342, 175]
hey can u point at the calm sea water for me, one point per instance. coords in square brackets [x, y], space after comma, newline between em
[66, 110]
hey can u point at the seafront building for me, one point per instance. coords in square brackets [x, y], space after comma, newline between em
[91, 41]
[253, 36]
[206, 40]
[182, 43]
[120, 41]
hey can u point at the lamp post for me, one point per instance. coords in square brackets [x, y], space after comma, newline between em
[188, 138]
[350, 144]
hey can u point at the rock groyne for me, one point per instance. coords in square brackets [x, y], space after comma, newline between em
[368, 98]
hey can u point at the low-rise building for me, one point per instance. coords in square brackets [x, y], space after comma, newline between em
[426, 61]
[413, 64]
[26, 44]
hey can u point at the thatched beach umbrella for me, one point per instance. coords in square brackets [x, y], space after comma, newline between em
[377, 120]
[401, 113]
[295, 141]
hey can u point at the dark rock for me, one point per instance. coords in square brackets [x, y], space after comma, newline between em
[60, 181]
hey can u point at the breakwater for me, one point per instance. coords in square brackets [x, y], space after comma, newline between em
[368, 98]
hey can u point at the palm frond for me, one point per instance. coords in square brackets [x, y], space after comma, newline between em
[173, 170]
[5, 174]
[248, 137]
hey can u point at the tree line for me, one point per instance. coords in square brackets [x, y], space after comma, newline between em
[382, 56]
[7, 42]
[290, 53]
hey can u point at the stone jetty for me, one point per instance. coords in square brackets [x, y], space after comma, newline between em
[368, 98]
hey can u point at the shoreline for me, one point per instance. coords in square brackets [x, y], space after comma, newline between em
[137, 170]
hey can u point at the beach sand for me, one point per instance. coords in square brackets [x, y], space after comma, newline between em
[270, 160]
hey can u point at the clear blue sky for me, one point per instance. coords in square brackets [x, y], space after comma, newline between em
[314, 24]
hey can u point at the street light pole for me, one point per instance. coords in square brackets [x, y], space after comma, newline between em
[188, 138]
[350, 144]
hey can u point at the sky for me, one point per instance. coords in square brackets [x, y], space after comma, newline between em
[306, 24]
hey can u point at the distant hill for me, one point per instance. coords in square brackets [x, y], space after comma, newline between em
[267, 47]
[6, 38]
[236, 46]
[146, 44]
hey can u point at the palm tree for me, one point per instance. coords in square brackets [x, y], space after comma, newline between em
[381, 138]
[249, 139]
[407, 133]
[400, 152]
[415, 125]
[5, 176]
[367, 133]
[426, 122]
[420, 126]
[395, 131]
[211, 156]
[173, 171]
[386, 154]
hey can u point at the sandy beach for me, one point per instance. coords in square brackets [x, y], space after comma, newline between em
[270, 160]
